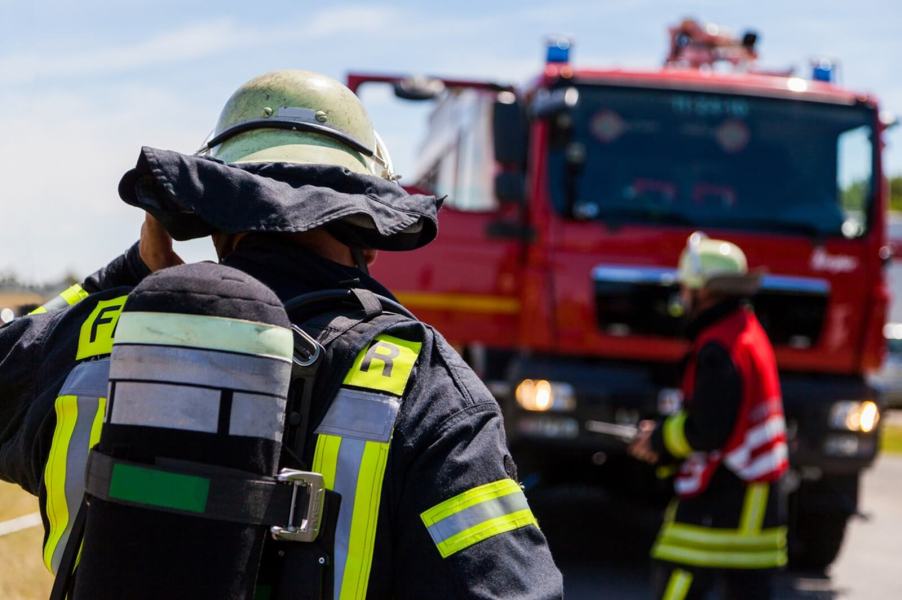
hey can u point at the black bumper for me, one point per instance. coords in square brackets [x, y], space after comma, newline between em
[624, 392]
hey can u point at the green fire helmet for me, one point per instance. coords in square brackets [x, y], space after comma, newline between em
[716, 265]
[299, 117]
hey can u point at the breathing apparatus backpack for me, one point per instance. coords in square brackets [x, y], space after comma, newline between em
[201, 461]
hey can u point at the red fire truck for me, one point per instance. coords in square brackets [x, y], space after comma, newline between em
[568, 202]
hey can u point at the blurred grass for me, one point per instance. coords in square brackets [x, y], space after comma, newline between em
[22, 574]
[892, 438]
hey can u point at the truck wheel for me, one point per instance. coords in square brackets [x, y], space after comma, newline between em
[819, 512]
[816, 540]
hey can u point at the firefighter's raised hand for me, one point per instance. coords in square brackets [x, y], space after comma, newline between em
[640, 448]
[156, 245]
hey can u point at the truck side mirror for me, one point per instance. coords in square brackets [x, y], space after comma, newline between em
[550, 103]
[510, 187]
[510, 131]
[419, 88]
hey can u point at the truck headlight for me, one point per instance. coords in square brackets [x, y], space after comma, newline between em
[853, 415]
[541, 395]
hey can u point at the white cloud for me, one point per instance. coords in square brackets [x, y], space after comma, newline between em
[359, 19]
[191, 42]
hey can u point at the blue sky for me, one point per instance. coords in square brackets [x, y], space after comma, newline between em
[84, 85]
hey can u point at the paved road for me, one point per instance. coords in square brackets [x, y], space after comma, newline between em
[602, 556]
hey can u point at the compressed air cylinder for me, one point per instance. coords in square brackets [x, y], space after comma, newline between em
[199, 375]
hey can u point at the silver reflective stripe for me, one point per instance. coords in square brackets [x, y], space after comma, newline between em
[87, 379]
[361, 415]
[166, 406]
[170, 364]
[211, 333]
[476, 514]
[257, 416]
[55, 304]
[349, 458]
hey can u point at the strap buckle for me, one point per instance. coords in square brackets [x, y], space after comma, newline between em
[307, 528]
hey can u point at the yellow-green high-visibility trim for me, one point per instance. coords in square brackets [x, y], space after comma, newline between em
[325, 458]
[96, 336]
[354, 468]
[722, 539]
[57, 509]
[362, 535]
[385, 365]
[675, 435]
[678, 585]
[205, 332]
[68, 297]
[720, 559]
[754, 508]
[74, 294]
[477, 514]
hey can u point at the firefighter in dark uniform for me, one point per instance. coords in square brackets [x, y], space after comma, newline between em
[234, 430]
[728, 442]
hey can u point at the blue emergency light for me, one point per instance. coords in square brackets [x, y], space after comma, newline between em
[557, 50]
[823, 70]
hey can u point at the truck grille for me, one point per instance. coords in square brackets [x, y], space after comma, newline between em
[644, 301]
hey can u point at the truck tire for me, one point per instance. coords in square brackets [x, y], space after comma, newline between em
[816, 540]
[819, 511]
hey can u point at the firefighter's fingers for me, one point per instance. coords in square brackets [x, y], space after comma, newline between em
[647, 425]
[156, 245]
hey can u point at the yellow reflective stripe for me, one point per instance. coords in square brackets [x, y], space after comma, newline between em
[471, 497]
[675, 435]
[68, 297]
[96, 336]
[753, 508]
[206, 332]
[678, 586]
[74, 294]
[385, 365]
[57, 510]
[476, 303]
[485, 530]
[97, 424]
[665, 471]
[325, 458]
[670, 511]
[763, 559]
[96, 428]
[362, 539]
[727, 539]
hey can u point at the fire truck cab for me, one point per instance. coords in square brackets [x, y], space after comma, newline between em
[568, 202]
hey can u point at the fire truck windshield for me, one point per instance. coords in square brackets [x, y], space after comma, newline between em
[714, 160]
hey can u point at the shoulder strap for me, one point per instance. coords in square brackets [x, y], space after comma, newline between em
[353, 441]
[323, 317]
[311, 304]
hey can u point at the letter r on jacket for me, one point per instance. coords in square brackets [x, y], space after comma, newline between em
[384, 352]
